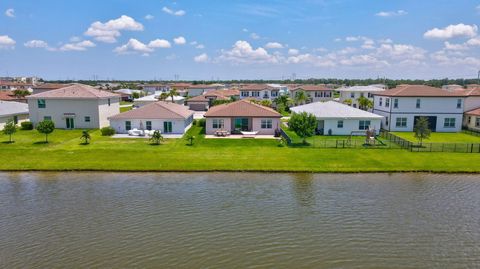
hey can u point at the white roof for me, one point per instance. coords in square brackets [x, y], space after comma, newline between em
[154, 97]
[334, 110]
[361, 89]
[12, 108]
[127, 91]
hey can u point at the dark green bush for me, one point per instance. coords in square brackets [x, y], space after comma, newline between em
[26, 125]
[201, 123]
[107, 131]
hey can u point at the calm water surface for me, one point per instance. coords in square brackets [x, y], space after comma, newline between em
[239, 220]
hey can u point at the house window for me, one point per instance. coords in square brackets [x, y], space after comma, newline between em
[47, 118]
[449, 123]
[395, 103]
[244, 94]
[218, 124]
[380, 101]
[128, 125]
[469, 119]
[387, 102]
[149, 125]
[274, 93]
[363, 124]
[108, 101]
[386, 121]
[255, 94]
[369, 95]
[15, 119]
[266, 124]
[41, 103]
[352, 95]
[401, 122]
[418, 103]
[87, 119]
[477, 122]
[459, 103]
[340, 124]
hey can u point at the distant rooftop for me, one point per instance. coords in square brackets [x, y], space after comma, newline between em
[335, 110]
[75, 91]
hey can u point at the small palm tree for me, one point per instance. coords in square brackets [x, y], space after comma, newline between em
[86, 137]
[300, 97]
[163, 96]
[364, 103]
[173, 92]
[190, 139]
[156, 137]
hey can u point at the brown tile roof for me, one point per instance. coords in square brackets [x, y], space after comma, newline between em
[75, 91]
[157, 110]
[242, 108]
[203, 86]
[50, 86]
[226, 93]
[475, 112]
[7, 96]
[418, 91]
[257, 87]
[470, 91]
[312, 88]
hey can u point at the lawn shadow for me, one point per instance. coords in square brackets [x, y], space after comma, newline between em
[84, 144]
[8, 142]
[40, 142]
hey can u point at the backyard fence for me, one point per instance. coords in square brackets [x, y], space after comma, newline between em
[471, 132]
[432, 147]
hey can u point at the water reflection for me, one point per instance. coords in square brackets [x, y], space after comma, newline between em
[304, 190]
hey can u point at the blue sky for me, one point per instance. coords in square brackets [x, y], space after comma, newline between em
[201, 39]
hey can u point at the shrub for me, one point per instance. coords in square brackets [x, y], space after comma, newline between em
[46, 127]
[107, 131]
[201, 123]
[26, 125]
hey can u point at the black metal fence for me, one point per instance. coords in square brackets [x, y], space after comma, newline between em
[432, 147]
[471, 132]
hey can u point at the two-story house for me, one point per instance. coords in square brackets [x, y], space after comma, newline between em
[76, 106]
[315, 93]
[402, 106]
[350, 95]
[259, 92]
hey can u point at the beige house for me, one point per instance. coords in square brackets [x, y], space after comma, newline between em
[74, 107]
[242, 116]
[471, 120]
[18, 112]
[315, 93]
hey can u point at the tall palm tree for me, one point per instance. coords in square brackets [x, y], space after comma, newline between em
[173, 92]
[301, 97]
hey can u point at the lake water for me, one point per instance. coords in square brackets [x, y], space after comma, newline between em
[239, 220]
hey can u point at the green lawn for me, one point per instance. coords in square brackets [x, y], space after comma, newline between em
[65, 152]
[125, 109]
[441, 137]
[125, 103]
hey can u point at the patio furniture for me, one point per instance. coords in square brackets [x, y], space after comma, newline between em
[249, 134]
[136, 132]
[221, 133]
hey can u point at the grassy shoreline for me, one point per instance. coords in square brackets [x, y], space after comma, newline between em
[105, 154]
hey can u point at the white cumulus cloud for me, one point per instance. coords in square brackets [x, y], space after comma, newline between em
[159, 43]
[458, 30]
[10, 13]
[149, 17]
[109, 31]
[202, 58]
[180, 40]
[173, 12]
[293, 51]
[36, 44]
[273, 45]
[78, 46]
[133, 45]
[6, 42]
[243, 52]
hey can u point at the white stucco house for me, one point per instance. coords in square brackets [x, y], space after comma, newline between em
[18, 112]
[403, 105]
[259, 92]
[355, 92]
[315, 93]
[338, 119]
[153, 98]
[76, 106]
[167, 117]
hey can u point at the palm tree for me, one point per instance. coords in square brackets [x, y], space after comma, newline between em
[348, 102]
[300, 97]
[86, 137]
[156, 137]
[173, 92]
[163, 96]
[364, 103]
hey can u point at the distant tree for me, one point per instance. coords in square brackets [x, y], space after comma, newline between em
[283, 101]
[301, 97]
[86, 137]
[421, 129]
[364, 103]
[46, 127]
[220, 102]
[348, 102]
[156, 138]
[303, 124]
[267, 103]
[163, 96]
[135, 95]
[9, 129]
[20, 93]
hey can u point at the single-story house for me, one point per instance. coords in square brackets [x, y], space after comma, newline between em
[18, 112]
[127, 94]
[242, 116]
[335, 118]
[167, 117]
[471, 120]
[203, 102]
